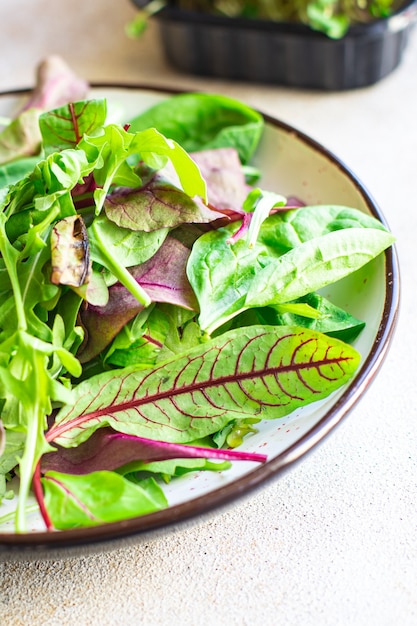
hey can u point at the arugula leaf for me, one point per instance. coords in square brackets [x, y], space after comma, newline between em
[112, 148]
[14, 444]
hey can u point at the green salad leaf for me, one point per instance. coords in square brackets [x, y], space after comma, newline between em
[151, 315]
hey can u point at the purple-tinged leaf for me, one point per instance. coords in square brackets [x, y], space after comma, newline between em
[56, 84]
[108, 450]
[164, 279]
[226, 185]
[102, 323]
[257, 371]
[156, 204]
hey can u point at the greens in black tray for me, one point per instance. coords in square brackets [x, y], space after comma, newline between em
[155, 305]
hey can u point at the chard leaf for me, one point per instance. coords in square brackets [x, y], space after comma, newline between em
[107, 450]
[259, 371]
[200, 121]
[64, 127]
[315, 264]
[164, 277]
[158, 203]
[103, 323]
[99, 497]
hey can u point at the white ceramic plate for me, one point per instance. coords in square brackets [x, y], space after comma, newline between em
[292, 164]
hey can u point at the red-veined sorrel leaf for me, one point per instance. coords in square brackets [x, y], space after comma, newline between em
[257, 371]
[65, 126]
[107, 450]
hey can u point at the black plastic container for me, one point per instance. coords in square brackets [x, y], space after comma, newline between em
[284, 53]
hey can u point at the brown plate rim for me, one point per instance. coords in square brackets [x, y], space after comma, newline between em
[112, 535]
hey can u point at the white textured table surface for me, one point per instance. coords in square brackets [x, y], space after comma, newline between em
[334, 541]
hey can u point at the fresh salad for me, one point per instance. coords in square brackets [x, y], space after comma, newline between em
[156, 302]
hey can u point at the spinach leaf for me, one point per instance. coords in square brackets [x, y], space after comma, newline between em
[231, 277]
[11, 173]
[288, 229]
[315, 264]
[221, 274]
[98, 497]
[311, 311]
[199, 121]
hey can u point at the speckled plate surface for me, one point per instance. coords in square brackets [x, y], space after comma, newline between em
[292, 164]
